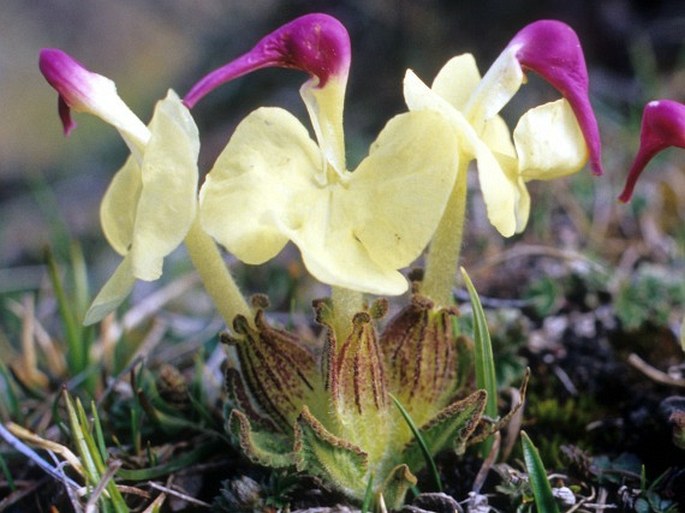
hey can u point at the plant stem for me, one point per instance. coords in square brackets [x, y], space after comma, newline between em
[215, 276]
[443, 256]
[346, 303]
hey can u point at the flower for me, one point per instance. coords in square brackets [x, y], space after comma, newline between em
[151, 202]
[273, 183]
[550, 141]
[663, 126]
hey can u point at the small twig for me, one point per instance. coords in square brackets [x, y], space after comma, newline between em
[91, 505]
[133, 490]
[492, 302]
[72, 494]
[565, 380]
[479, 481]
[653, 373]
[180, 495]
[514, 427]
[582, 501]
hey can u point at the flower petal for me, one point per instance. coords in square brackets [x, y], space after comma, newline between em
[398, 194]
[168, 199]
[457, 80]
[118, 207]
[325, 108]
[497, 138]
[262, 183]
[117, 288]
[663, 125]
[500, 189]
[332, 253]
[551, 49]
[499, 84]
[501, 192]
[549, 142]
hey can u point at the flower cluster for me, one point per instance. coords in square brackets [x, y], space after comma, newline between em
[316, 404]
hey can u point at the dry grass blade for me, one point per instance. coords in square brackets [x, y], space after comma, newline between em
[91, 505]
[22, 433]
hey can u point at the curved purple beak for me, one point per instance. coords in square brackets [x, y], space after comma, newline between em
[315, 43]
[663, 126]
[72, 81]
[551, 49]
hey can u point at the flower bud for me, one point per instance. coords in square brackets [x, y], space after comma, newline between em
[663, 125]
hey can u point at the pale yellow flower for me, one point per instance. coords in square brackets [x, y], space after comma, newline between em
[549, 141]
[151, 202]
[273, 183]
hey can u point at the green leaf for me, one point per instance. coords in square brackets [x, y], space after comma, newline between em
[453, 425]
[485, 361]
[263, 447]
[542, 492]
[323, 454]
[396, 486]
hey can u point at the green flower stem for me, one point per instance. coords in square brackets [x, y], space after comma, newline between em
[443, 256]
[346, 303]
[215, 276]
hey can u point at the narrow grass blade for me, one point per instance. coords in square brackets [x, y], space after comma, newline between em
[430, 464]
[177, 463]
[485, 361]
[8, 475]
[76, 354]
[99, 435]
[79, 438]
[80, 274]
[368, 496]
[9, 404]
[542, 491]
[90, 453]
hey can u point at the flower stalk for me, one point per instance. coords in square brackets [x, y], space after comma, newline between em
[445, 248]
[215, 275]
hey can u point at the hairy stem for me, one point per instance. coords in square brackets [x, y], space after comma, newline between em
[346, 303]
[445, 248]
[215, 276]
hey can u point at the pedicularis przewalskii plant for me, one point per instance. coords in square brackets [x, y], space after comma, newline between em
[330, 408]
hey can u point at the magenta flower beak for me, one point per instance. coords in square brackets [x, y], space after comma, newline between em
[551, 49]
[73, 82]
[315, 43]
[663, 126]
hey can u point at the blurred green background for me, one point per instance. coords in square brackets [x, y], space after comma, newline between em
[50, 186]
